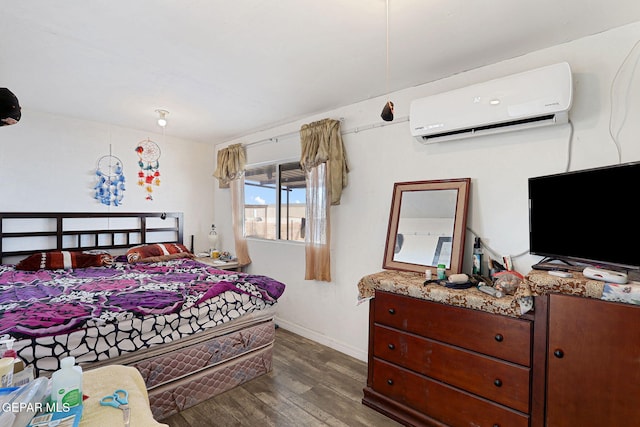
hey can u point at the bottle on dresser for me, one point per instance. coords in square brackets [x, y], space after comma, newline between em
[477, 257]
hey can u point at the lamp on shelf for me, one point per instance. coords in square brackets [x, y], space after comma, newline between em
[214, 250]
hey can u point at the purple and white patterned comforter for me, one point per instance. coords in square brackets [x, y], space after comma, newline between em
[158, 302]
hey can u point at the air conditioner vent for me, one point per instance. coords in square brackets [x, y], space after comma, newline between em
[495, 127]
[534, 98]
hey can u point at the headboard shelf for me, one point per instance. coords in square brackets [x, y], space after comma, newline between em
[23, 233]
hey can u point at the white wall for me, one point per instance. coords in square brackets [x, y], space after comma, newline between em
[498, 165]
[48, 162]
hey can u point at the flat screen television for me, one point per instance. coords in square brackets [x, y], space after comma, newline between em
[587, 216]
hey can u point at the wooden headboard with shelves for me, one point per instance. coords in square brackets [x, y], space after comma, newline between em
[23, 233]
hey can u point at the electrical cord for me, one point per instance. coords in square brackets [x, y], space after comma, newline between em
[569, 146]
[616, 137]
[526, 252]
[493, 251]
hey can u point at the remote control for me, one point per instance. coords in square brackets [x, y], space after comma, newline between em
[560, 273]
[490, 290]
[605, 275]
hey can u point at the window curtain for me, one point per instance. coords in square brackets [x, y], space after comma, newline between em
[230, 173]
[324, 161]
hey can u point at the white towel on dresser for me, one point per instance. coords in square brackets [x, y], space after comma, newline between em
[628, 293]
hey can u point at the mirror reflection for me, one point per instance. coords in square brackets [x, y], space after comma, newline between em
[427, 225]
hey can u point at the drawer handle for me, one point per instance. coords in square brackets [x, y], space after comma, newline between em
[391, 346]
[496, 425]
[497, 382]
[558, 353]
[499, 337]
[392, 311]
[390, 381]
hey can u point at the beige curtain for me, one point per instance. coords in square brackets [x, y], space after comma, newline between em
[230, 173]
[325, 164]
[231, 163]
[322, 143]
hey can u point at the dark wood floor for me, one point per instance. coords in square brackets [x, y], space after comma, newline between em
[310, 385]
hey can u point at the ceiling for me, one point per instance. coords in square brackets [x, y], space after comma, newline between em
[224, 69]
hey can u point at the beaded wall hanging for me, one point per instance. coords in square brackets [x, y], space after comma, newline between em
[149, 174]
[109, 190]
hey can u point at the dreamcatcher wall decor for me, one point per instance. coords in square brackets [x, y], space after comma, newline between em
[109, 190]
[149, 174]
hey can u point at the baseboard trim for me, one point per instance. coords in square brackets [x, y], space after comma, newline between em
[322, 339]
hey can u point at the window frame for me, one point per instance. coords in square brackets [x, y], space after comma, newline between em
[280, 166]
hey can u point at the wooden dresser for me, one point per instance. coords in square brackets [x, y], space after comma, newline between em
[593, 363]
[573, 362]
[436, 364]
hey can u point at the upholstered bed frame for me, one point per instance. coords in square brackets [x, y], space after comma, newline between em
[179, 374]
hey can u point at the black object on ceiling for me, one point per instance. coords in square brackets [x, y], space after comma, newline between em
[9, 107]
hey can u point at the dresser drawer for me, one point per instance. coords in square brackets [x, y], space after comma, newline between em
[503, 382]
[442, 402]
[499, 336]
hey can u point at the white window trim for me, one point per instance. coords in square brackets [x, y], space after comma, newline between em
[268, 163]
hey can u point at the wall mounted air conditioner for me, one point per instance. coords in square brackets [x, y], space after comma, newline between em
[534, 98]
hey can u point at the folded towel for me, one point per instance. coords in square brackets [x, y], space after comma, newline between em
[628, 293]
[103, 381]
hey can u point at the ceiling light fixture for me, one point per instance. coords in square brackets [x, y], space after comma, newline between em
[387, 111]
[162, 117]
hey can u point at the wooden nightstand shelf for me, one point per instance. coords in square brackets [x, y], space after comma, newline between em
[222, 265]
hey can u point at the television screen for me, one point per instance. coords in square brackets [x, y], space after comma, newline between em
[586, 216]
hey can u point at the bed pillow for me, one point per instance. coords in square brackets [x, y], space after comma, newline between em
[157, 252]
[63, 259]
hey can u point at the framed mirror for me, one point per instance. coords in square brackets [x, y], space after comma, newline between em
[427, 225]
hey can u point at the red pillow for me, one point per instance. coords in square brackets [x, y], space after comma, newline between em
[158, 252]
[63, 259]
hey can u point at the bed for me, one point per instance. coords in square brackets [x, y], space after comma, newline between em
[192, 330]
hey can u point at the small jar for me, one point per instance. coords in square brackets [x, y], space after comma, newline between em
[442, 271]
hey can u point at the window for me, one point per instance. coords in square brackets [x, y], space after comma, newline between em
[275, 202]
